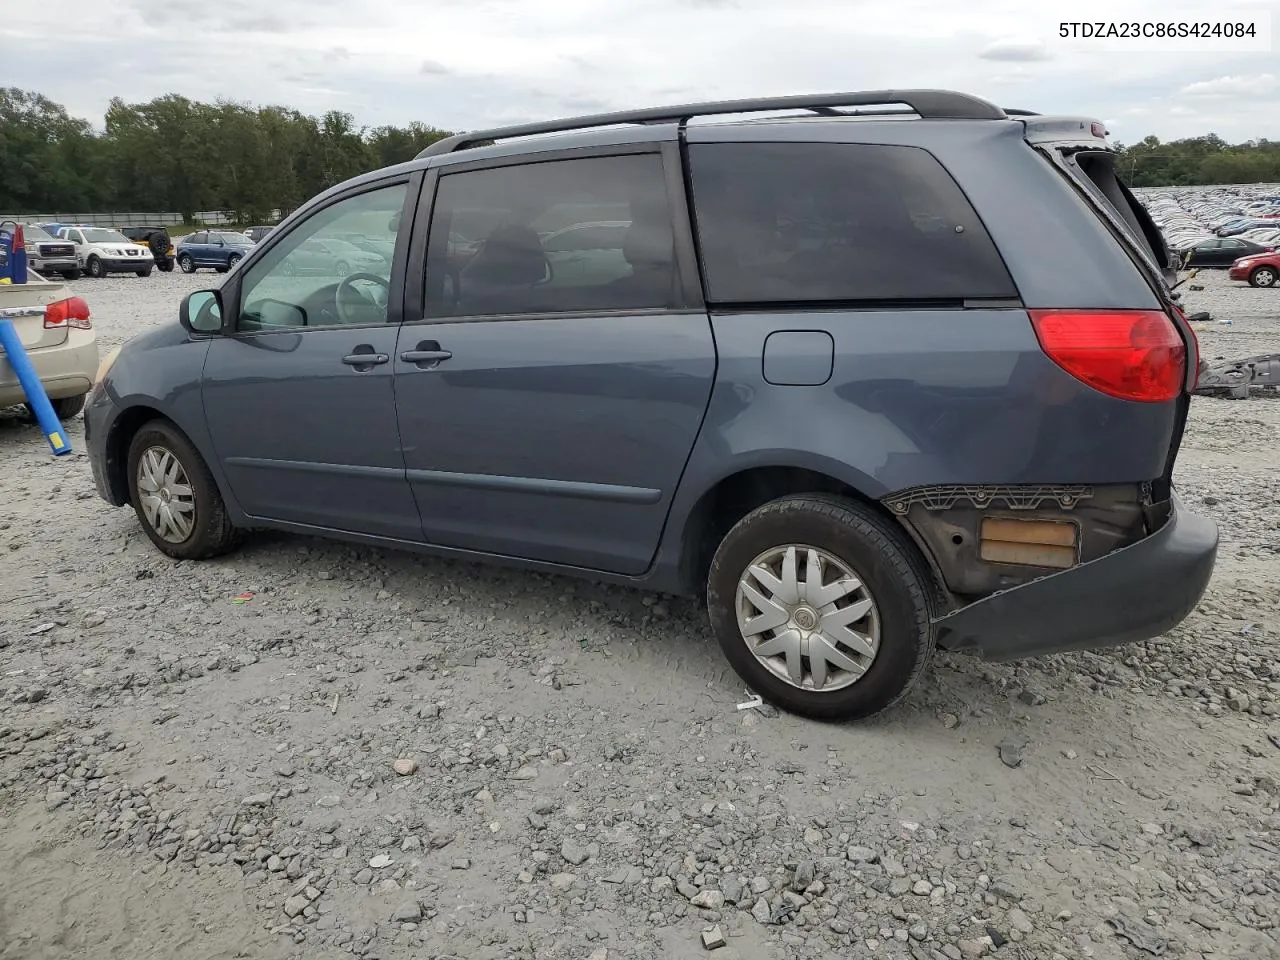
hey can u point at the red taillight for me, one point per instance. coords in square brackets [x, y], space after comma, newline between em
[71, 312]
[1129, 354]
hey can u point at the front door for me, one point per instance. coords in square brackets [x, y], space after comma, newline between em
[547, 407]
[299, 398]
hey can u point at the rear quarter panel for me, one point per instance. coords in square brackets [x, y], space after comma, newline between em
[916, 398]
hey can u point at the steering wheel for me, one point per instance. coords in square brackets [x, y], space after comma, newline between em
[346, 297]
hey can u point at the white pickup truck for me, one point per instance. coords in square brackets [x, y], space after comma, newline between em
[54, 328]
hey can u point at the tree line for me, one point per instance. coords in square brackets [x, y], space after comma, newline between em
[177, 154]
[181, 155]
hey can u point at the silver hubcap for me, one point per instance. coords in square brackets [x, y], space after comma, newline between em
[167, 500]
[1266, 278]
[808, 618]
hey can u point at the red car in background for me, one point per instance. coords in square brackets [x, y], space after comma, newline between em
[1259, 269]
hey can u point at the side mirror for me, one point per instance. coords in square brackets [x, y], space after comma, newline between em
[201, 312]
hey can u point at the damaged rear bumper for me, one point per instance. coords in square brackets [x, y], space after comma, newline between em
[1134, 593]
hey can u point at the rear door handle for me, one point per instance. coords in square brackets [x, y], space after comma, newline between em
[426, 353]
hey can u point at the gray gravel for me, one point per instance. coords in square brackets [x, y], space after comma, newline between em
[391, 756]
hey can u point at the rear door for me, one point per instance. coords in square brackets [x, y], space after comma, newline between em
[548, 415]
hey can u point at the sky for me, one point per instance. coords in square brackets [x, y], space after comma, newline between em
[471, 64]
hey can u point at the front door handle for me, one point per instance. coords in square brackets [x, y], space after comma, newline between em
[363, 358]
[426, 354]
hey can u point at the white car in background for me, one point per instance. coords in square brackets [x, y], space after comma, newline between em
[101, 250]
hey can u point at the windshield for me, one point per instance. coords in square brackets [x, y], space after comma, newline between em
[98, 235]
[32, 232]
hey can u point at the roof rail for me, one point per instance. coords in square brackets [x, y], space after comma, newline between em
[928, 104]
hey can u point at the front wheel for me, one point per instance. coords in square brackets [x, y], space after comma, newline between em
[187, 264]
[822, 607]
[146, 272]
[1264, 277]
[72, 274]
[233, 260]
[96, 269]
[166, 266]
[175, 497]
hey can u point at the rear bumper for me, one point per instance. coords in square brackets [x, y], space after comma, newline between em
[66, 370]
[1134, 593]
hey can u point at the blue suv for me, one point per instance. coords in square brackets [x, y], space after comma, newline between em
[219, 249]
[900, 371]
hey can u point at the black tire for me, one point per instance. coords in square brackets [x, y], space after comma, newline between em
[233, 260]
[165, 266]
[95, 268]
[1264, 277]
[187, 264]
[212, 533]
[64, 408]
[145, 272]
[72, 274]
[68, 407]
[892, 570]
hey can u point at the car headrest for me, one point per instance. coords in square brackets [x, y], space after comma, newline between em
[511, 256]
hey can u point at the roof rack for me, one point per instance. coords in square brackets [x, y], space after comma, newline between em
[927, 104]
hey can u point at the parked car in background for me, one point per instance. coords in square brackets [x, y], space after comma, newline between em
[836, 390]
[158, 241]
[257, 233]
[331, 257]
[1222, 252]
[100, 251]
[58, 336]
[47, 254]
[1259, 269]
[219, 249]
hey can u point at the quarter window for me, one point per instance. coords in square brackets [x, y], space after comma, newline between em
[312, 279]
[819, 222]
[583, 235]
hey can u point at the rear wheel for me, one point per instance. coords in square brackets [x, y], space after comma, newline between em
[233, 260]
[822, 607]
[95, 268]
[175, 497]
[145, 272]
[166, 266]
[1264, 277]
[186, 263]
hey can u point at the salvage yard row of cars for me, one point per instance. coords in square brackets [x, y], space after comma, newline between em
[1236, 228]
[72, 250]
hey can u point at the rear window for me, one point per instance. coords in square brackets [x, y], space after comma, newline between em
[823, 223]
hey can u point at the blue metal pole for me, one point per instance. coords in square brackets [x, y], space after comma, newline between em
[34, 389]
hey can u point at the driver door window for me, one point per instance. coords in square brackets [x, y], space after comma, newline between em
[307, 281]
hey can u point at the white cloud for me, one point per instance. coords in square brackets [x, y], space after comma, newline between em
[1262, 85]
[1017, 51]
[467, 64]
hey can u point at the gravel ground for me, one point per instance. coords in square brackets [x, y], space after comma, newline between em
[390, 756]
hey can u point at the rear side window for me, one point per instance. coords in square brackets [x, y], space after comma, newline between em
[822, 223]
